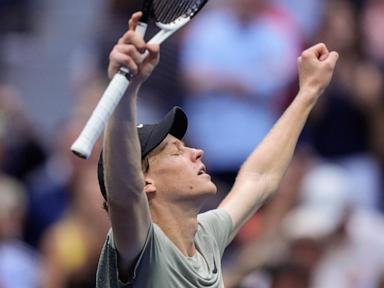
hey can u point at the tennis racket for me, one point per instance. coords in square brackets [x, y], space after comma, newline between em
[169, 16]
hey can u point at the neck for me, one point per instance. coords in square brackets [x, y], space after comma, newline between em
[180, 226]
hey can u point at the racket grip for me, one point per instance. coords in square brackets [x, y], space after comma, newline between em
[83, 146]
[141, 28]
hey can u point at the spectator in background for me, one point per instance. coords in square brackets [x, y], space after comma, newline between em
[372, 30]
[19, 264]
[70, 248]
[340, 127]
[2, 139]
[377, 137]
[348, 237]
[15, 16]
[308, 15]
[231, 84]
[50, 186]
[22, 151]
[329, 240]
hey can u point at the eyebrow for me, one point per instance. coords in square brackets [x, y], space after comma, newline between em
[178, 142]
[161, 146]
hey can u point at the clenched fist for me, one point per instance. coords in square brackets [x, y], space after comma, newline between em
[316, 66]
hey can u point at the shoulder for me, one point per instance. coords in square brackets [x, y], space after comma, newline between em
[215, 216]
[215, 225]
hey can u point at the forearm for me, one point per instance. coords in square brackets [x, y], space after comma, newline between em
[122, 159]
[262, 172]
[272, 157]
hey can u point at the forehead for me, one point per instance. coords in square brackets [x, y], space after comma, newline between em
[160, 152]
[169, 141]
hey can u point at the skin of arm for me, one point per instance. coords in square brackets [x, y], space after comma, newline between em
[124, 180]
[260, 175]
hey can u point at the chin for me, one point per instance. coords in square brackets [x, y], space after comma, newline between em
[212, 188]
[205, 190]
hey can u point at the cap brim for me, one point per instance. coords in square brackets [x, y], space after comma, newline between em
[174, 123]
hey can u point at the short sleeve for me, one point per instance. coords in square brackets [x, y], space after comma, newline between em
[107, 271]
[218, 223]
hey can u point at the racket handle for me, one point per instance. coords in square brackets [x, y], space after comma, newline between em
[141, 28]
[83, 146]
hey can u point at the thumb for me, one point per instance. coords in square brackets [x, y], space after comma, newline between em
[153, 51]
[332, 58]
[153, 48]
[324, 57]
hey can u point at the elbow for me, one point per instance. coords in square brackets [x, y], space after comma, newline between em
[266, 184]
[272, 185]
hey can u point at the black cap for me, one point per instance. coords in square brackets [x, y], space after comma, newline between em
[151, 135]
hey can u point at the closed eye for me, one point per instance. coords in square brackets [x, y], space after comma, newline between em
[178, 152]
[177, 148]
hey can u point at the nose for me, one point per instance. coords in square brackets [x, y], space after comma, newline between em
[197, 154]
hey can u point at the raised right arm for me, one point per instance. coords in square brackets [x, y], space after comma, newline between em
[124, 180]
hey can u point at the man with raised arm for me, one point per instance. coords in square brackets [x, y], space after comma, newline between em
[154, 185]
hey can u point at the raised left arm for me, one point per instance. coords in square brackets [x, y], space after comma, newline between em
[260, 175]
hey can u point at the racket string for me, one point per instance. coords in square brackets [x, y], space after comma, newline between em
[166, 11]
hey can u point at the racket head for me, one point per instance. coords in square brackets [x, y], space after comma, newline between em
[146, 9]
[170, 12]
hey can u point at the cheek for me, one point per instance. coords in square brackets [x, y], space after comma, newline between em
[175, 173]
[180, 181]
[174, 167]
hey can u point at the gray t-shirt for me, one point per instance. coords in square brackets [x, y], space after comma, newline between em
[161, 264]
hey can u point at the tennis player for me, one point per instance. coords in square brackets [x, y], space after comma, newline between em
[155, 185]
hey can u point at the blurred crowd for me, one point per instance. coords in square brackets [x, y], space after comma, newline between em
[234, 72]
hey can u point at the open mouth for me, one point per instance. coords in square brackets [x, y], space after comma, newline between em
[202, 171]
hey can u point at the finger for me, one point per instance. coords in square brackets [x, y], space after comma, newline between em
[153, 52]
[131, 51]
[134, 20]
[130, 37]
[323, 57]
[299, 59]
[332, 58]
[153, 48]
[121, 59]
[321, 51]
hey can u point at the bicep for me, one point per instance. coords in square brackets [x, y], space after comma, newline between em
[130, 221]
[127, 202]
[245, 198]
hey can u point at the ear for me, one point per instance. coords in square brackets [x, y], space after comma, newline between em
[149, 186]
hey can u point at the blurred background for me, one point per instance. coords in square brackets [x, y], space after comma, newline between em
[234, 71]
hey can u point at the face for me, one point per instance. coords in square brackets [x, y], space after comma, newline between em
[178, 173]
